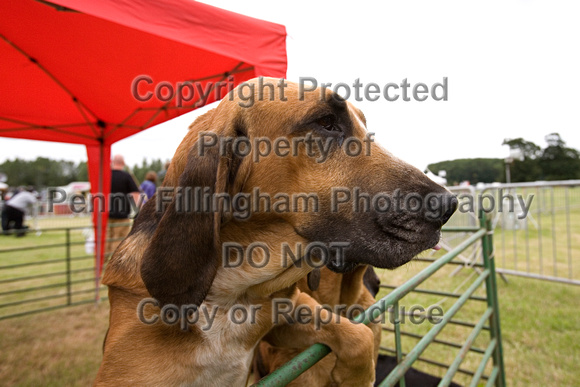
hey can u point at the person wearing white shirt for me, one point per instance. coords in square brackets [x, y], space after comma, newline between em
[14, 211]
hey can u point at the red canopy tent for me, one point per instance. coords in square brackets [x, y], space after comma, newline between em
[70, 70]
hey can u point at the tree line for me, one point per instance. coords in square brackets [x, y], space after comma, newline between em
[44, 172]
[554, 162]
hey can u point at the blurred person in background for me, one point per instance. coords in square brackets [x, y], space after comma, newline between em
[149, 185]
[161, 174]
[15, 209]
[122, 187]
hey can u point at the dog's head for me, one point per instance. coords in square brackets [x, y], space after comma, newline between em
[326, 178]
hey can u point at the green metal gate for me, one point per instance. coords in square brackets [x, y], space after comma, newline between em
[489, 321]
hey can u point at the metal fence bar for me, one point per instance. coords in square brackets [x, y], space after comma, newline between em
[466, 324]
[492, 377]
[446, 380]
[404, 366]
[568, 233]
[36, 247]
[51, 297]
[54, 229]
[398, 343]
[461, 263]
[488, 352]
[437, 341]
[554, 246]
[39, 263]
[43, 287]
[460, 229]
[45, 298]
[433, 362]
[27, 313]
[31, 300]
[68, 268]
[295, 367]
[437, 293]
[540, 250]
[503, 254]
[527, 238]
[537, 184]
[31, 277]
[515, 246]
[492, 299]
[539, 276]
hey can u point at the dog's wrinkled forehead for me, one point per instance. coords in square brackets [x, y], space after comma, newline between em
[268, 105]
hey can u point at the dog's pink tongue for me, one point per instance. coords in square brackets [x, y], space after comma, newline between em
[436, 247]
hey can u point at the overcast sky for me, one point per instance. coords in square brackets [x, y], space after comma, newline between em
[513, 70]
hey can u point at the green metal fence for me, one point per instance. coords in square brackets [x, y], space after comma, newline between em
[486, 372]
[54, 271]
[47, 269]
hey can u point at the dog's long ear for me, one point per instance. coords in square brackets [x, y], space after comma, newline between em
[182, 259]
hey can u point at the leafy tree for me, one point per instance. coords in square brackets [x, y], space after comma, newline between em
[82, 171]
[139, 172]
[40, 173]
[472, 170]
[528, 148]
[529, 168]
[559, 162]
[555, 162]
[43, 172]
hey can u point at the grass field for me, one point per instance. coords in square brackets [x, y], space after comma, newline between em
[540, 320]
[57, 348]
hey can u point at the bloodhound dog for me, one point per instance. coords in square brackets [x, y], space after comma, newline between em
[199, 281]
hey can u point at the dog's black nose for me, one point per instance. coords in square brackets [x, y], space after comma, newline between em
[440, 208]
[449, 206]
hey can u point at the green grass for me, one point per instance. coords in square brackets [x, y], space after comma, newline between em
[58, 348]
[539, 322]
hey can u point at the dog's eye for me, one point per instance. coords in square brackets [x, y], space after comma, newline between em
[328, 123]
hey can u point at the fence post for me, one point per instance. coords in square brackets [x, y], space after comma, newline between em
[398, 343]
[68, 273]
[492, 299]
